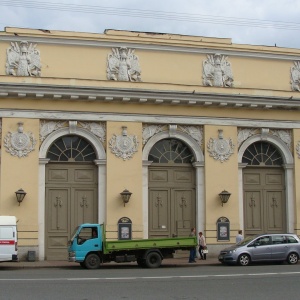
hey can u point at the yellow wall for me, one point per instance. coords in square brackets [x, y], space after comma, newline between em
[182, 68]
[22, 173]
[218, 177]
[124, 174]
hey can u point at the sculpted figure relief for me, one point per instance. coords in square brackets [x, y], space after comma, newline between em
[23, 59]
[295, 76]
[123, 65]
[217, 71]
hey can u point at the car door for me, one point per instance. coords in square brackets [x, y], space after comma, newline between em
[279, 247]
[261, 249]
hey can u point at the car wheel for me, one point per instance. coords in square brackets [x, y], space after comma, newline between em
[292, 258]
[92, 261]
[153, 260]
[244, 260]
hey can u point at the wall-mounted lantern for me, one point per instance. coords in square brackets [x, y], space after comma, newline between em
[125, 196]
[224, 196]
[20, 194]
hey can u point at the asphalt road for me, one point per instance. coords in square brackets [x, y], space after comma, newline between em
[176, 283]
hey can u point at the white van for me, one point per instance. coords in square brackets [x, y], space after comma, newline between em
[8, 239]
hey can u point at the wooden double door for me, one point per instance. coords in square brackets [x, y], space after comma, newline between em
[71, 199]
[172, 205]
[264, 200]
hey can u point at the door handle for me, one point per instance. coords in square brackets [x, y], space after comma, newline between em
[96, 245]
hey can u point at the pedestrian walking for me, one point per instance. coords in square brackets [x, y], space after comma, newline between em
[193, 249]
[202, 246]
[239, 237]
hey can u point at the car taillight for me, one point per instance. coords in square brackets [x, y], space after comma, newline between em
[16, 246]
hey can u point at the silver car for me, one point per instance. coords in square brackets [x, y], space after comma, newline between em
[261, 248]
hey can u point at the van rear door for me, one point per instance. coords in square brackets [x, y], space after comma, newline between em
[8, 243]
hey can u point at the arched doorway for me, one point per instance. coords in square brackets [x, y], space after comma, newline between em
[264, 189]
[71, 192]
[171, 183]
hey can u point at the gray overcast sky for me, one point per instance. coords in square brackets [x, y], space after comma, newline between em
[256, 22]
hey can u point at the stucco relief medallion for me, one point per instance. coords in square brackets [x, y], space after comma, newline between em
[298, 149]
[220, 149]
[124, 146]
[295, 76]
[217, 71]
[23, 59]
[123, 65]
[19, 143]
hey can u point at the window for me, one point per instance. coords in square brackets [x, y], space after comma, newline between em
[262, 241]
[278, 239]
[71, 148]
[171, 151]
[262, 154]
[291, 240]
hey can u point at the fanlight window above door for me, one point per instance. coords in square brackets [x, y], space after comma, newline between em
[262, 154]
[171, 151]
[71, 148]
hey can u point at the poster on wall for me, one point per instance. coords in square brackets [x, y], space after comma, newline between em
[124, 229]
[223, 229]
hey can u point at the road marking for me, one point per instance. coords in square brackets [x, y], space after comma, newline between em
[149, 278]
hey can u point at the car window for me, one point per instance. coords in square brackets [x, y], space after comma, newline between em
[262, 241]
[279, 239]
[291, 240]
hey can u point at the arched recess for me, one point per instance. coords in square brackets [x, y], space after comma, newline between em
[100, 162]
[288, 172]
[199, 169]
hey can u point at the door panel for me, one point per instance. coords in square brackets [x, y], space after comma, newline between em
[264, 200]
[159, 213]
[172, 204]
[184, 211]
[275, 211]
[253, 211]
[71, 199]
[57, 222]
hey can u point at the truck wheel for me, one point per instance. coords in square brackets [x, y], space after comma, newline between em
[153, 260]
[92, 261]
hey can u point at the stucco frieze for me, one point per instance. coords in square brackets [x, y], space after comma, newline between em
[295, 76]
[98, 129]
[123, 65]
[195, 132]
[23, 59]
[217, 71]
[150, 130]
[283, 134]
[124, 146]
[220, 149]
[19, 143]
[47, 127]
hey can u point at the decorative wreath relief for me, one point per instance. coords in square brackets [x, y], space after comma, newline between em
[220, 149]
[124, 146]
[19, 143]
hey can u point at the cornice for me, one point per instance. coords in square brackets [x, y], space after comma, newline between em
[202, 49]
[146, 118]
[143, 96]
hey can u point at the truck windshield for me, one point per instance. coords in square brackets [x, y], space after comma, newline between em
[74, 233]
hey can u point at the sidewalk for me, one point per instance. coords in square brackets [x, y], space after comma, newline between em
[174, 262]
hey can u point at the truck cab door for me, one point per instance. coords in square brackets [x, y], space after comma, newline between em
[88, 240]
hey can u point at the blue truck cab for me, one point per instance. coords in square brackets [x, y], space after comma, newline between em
[86, 238]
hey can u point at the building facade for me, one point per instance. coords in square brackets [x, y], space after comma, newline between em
[175, 120]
